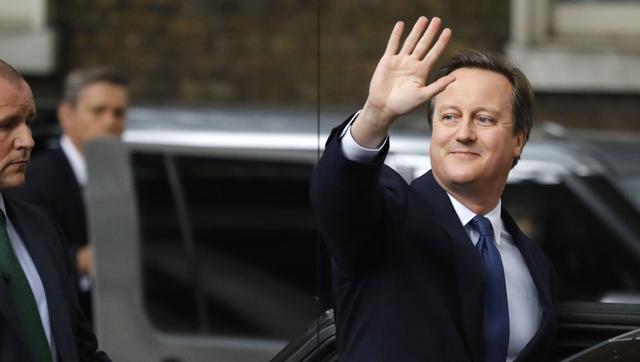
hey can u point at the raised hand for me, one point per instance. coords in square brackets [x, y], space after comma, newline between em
[398, 85]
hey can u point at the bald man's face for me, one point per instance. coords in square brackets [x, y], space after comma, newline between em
[17, 111]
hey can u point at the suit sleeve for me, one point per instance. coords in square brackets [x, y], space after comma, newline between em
[357, 205]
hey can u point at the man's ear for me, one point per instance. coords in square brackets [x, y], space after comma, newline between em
[65, 115]
[520, 139]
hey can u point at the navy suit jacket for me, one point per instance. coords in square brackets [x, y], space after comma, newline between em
[407, 281]
[72, 333]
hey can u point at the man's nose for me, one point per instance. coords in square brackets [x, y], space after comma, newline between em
[114, 118]
[466, 131]
[24, 138]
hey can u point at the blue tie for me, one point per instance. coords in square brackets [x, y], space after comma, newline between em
[496, 309]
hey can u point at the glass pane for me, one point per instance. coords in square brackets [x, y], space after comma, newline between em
[246, 265]
[169, 294]
[255, 239]
[594, 262]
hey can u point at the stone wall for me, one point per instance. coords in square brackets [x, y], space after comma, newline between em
[254, 50]
[266, 52]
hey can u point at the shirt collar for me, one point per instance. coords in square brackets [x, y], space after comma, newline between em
[76, 159]
[2, 206]
[465, 215]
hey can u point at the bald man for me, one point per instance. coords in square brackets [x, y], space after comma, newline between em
[40, 320]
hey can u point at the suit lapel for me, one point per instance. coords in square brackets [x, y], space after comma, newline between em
[9, 314]
[525, 246]
[468, 264]
[36, 243]
[74, 195]
[538, 276]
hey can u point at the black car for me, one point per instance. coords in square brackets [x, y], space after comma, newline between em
[207, 248]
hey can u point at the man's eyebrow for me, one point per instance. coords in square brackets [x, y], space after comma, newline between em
[447, 106]
[32, 114]
[9, 119]
[475, 110]
[487, 109]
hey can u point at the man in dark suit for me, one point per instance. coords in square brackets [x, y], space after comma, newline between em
[436, 270]
[93, 105]
[40, 319]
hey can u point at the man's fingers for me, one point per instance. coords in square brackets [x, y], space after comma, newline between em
[414, 36]
[394, 39]
[436, 87]
[438, 48]
[427, 38]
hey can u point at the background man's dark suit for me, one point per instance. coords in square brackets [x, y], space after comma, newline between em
[51, 184]
[408, 282]
[71, 332]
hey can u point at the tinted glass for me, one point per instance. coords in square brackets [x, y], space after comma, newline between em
[232, 242]
[595, 259]
[169, 294]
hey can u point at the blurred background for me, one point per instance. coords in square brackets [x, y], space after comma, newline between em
[203, 209]
[581, 55]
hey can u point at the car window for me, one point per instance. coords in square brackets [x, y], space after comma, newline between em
[631, 186]
[228, 246]
[587, 235]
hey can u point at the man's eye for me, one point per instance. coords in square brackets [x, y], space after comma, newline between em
[448, 117]
[7, 124]
[484, 120]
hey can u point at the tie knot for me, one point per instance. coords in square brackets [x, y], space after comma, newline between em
[482, 225]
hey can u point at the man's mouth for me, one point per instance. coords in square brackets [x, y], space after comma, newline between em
[464, 153]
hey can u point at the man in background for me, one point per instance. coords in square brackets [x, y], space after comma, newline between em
[94, 104]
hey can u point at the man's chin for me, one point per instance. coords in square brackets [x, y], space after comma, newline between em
[12, 182]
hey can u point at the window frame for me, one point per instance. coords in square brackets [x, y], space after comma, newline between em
[27, 40]
[558, 50]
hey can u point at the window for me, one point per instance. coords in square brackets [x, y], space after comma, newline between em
[589, 232]
[559, 43]
[228, 246]
[613, 20]
[26, 40]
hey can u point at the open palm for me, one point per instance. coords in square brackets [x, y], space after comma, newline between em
[399, 84]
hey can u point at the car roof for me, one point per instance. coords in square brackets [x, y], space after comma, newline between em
[303, 129]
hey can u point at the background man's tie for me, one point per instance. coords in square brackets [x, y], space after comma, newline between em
[496, 309]
[22, 297]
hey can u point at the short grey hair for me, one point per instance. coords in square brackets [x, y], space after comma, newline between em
[78, 79]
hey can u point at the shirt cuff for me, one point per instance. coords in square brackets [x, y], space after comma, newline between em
[353, 151]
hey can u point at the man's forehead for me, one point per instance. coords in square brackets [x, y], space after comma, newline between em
[101, 89]
[474, 85]
[16, 94]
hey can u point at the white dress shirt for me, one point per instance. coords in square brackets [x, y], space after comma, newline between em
[79, 166]
[76, 159]
[33, 278]
[522, 296]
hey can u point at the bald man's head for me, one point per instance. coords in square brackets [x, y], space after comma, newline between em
[9, 73]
